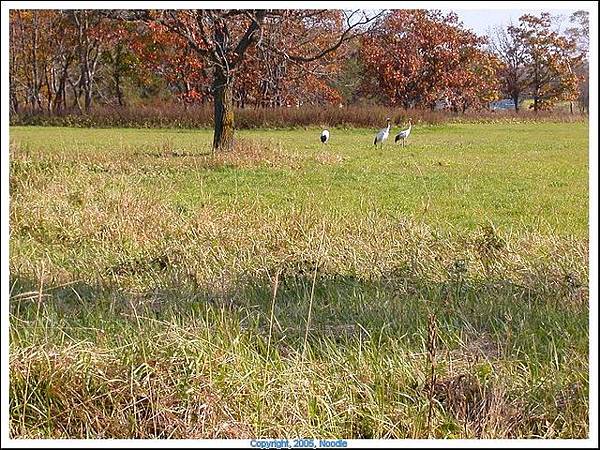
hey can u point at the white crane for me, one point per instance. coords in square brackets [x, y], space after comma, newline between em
[404, 133]
[324, 136]
[383, 134]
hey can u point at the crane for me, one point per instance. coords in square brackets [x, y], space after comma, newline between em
[324, 136]
[404, 133]
[383, 134]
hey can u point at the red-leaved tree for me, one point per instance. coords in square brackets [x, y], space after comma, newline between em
[422, 57]
[223, 39]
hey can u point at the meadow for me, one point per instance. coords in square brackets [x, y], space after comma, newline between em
[295, 289]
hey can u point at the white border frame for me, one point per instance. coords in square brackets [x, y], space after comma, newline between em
[591, 6]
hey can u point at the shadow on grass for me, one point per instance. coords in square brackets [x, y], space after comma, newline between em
[343, 308]
[485, 320]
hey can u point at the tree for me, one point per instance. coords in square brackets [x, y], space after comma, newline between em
[420, 57]
[549, 66]
[31, 58]
[64, 56]
[272, 79]
[475, 84]
[168, 56]
[51, 50]
[88, 49]
[222, 38]
[580, 34]
[84, 57]
[509, 48]
[347, 80]
[117, 58]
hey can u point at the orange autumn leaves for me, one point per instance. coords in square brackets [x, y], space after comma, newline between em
[266, 78]
[419, 57]
[550, 60]
[62, 59]
[423, 58]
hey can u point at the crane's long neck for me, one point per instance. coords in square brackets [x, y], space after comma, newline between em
[388, 127]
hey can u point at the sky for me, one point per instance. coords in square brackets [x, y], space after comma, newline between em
[481, 20]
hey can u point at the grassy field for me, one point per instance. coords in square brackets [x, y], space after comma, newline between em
[296, 289]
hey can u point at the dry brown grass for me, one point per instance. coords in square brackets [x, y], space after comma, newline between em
[91, 393]
[179, 116]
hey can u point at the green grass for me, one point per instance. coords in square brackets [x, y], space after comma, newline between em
[290, 288]
[523, 176]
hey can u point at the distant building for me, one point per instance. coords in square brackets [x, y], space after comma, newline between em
[442, 104]
[505, 103]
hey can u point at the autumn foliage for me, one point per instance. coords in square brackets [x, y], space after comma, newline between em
[268, 79]
[72, 60]
[549, 61]
[419, 57]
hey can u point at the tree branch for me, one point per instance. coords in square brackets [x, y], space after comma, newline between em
[249, 36]
[344, 37]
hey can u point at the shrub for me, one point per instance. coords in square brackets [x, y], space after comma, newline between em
[201, 116]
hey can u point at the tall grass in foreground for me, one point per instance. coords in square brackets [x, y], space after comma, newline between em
[181, 116]
[133, 315]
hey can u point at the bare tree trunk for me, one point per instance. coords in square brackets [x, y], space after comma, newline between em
[118, 88]
[49, 90]
[117, 73]
[14, 100]
[36, 101]
[60, 102]
[76, 94]
[536, 90]
[88, 55]
[223, 97]
[88, 99]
